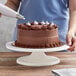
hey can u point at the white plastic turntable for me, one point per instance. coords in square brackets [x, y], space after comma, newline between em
[38, 57]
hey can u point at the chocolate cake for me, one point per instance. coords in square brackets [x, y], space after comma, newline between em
[37, 35]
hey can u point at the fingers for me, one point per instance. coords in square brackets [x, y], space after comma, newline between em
[73, 46]
[69, 39]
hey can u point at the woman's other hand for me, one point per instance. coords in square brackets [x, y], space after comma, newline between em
[71, 41]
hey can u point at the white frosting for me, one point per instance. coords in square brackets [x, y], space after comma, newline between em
[47, 23]
[52, 24]
[28, 23]
[35, 22]
[43, 23]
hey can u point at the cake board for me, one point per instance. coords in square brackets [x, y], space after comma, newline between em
[38, 57]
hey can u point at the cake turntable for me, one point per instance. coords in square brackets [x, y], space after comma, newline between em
[38, 57]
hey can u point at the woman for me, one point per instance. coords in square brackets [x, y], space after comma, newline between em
[61, 12]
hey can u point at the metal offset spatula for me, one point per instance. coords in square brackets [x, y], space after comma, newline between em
[6, 11]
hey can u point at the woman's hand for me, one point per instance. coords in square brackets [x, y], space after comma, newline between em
[71, 41]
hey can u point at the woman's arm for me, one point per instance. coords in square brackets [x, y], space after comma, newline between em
[14, 4]
[71, 39]
[72, 10]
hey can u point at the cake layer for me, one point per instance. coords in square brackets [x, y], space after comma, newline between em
[52, 45]
[37, 38]
[37, 33]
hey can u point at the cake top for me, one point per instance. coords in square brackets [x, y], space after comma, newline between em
[37, 26]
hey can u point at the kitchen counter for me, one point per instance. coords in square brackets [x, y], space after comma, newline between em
[9, 67]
